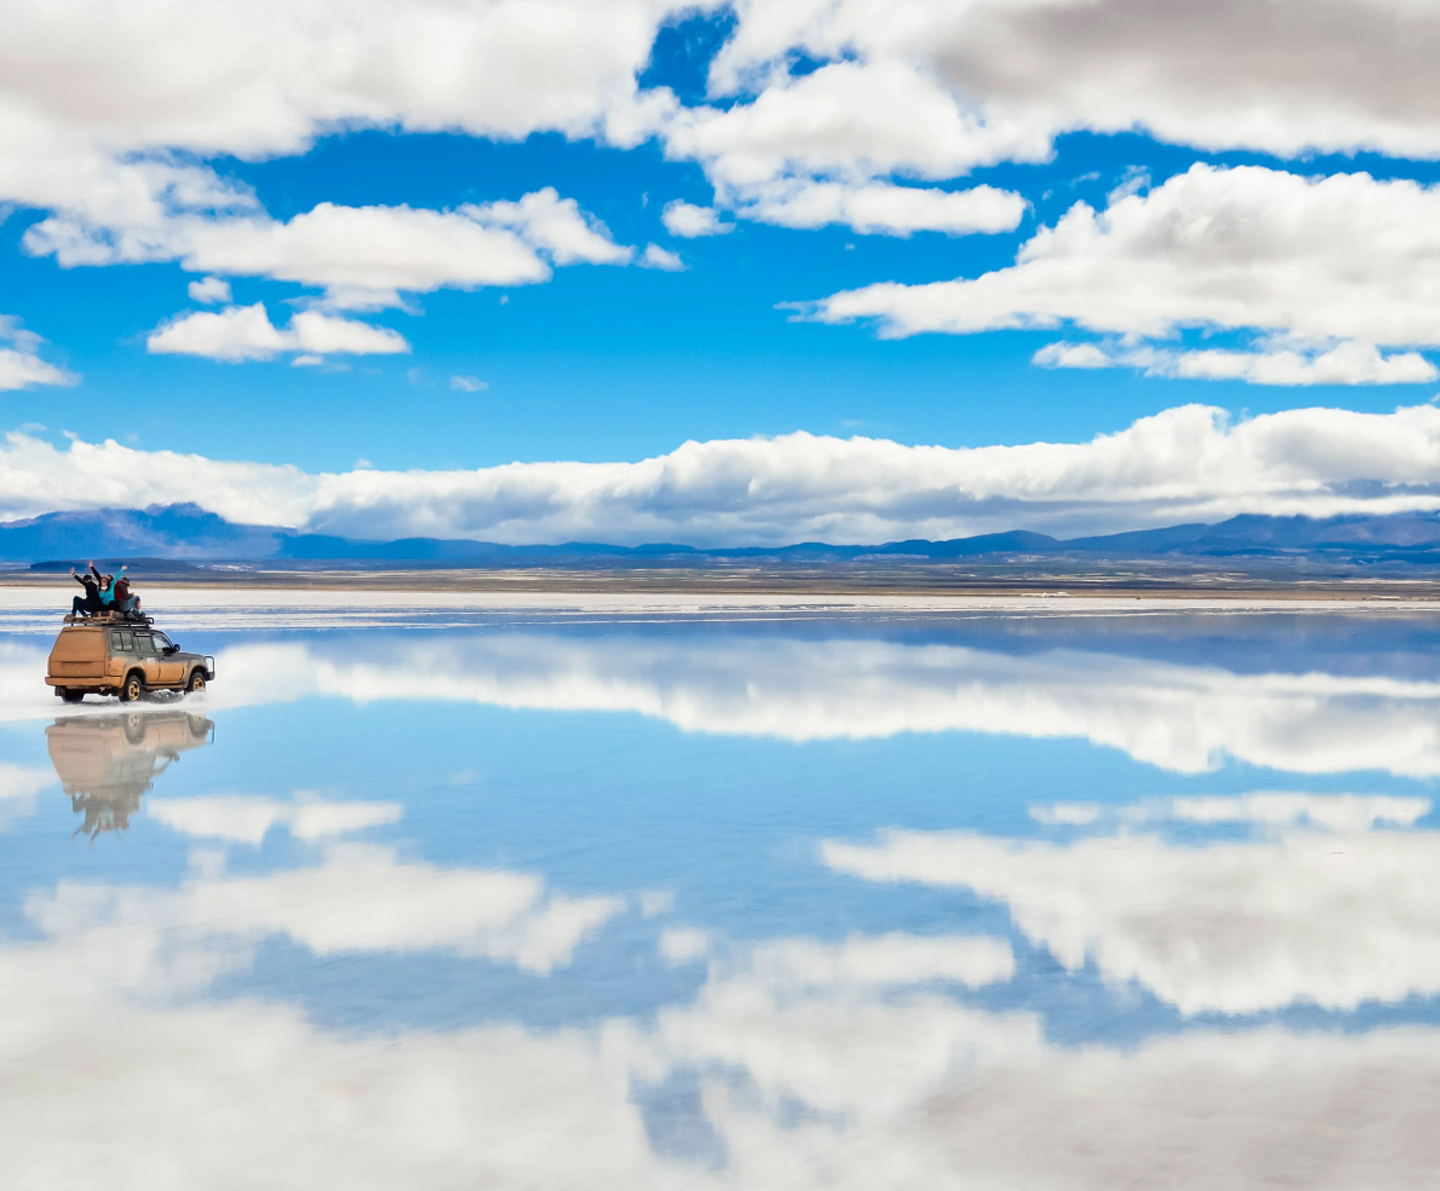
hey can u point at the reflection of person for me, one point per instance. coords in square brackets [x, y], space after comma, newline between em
[89, 603]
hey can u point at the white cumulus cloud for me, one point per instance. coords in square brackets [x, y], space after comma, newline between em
[1000, 79]
[1344, 364]
[20, 363]
[246, 333]
[210, 290]
[1191, 463]
[919, 90]
[850, 119]
[1343, 258]
[689, 221]
[882, 207]
[363, 257]
[808, 152]
[900, 91]
[656, 257]
[106, 120]
[86, 92]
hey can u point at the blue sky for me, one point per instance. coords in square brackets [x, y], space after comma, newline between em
[617, 362]
[600, 363]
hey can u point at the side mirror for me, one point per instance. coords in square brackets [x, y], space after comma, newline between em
[169, 649]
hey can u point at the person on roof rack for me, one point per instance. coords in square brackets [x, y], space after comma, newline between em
[106, 593]
[125, 602]
[89, 603]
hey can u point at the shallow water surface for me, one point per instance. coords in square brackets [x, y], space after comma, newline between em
[766, 900]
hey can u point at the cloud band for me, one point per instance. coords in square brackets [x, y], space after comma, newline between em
[1191, 463]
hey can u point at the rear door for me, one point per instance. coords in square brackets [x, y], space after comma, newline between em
[123, 655]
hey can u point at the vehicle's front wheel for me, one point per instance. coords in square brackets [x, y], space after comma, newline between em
[71, 696]
[197, 681]
[133, 688]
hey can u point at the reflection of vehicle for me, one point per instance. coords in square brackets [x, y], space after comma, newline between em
[107, 762]
[107, 659]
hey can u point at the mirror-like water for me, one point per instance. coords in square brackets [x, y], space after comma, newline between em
[761, 901]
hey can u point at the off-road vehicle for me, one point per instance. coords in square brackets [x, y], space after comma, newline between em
[108, 656]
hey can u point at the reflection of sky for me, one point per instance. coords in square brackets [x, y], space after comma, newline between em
[949, 902]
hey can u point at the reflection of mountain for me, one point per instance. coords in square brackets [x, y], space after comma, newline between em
[107, 763]
[1185, 716]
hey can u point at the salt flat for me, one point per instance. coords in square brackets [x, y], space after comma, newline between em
[35, 607]
[728, 893]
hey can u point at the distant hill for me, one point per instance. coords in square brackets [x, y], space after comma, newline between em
[187, 533]
[183, 531]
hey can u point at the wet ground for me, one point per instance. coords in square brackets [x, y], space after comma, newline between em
[428, 897]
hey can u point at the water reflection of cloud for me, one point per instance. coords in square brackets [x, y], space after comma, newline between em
[1183, 717]
[794, 1075]
[1334, 812]
[1318, 905]
[19, 784]
[890, 959]
[247, 819]
[357, 900]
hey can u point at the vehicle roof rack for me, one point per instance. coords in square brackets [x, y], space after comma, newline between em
[110, 619]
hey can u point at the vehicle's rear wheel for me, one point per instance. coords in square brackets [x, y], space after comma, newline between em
[71, 696]
[133, 687]
[197, 681]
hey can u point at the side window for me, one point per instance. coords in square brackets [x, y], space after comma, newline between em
[145, 645]
[162, 642]
[122, 642]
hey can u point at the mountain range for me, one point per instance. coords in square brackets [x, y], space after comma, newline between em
[187, 533]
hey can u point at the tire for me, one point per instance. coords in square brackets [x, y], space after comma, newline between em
[133, 687]
[71, 696]
[196, 681]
